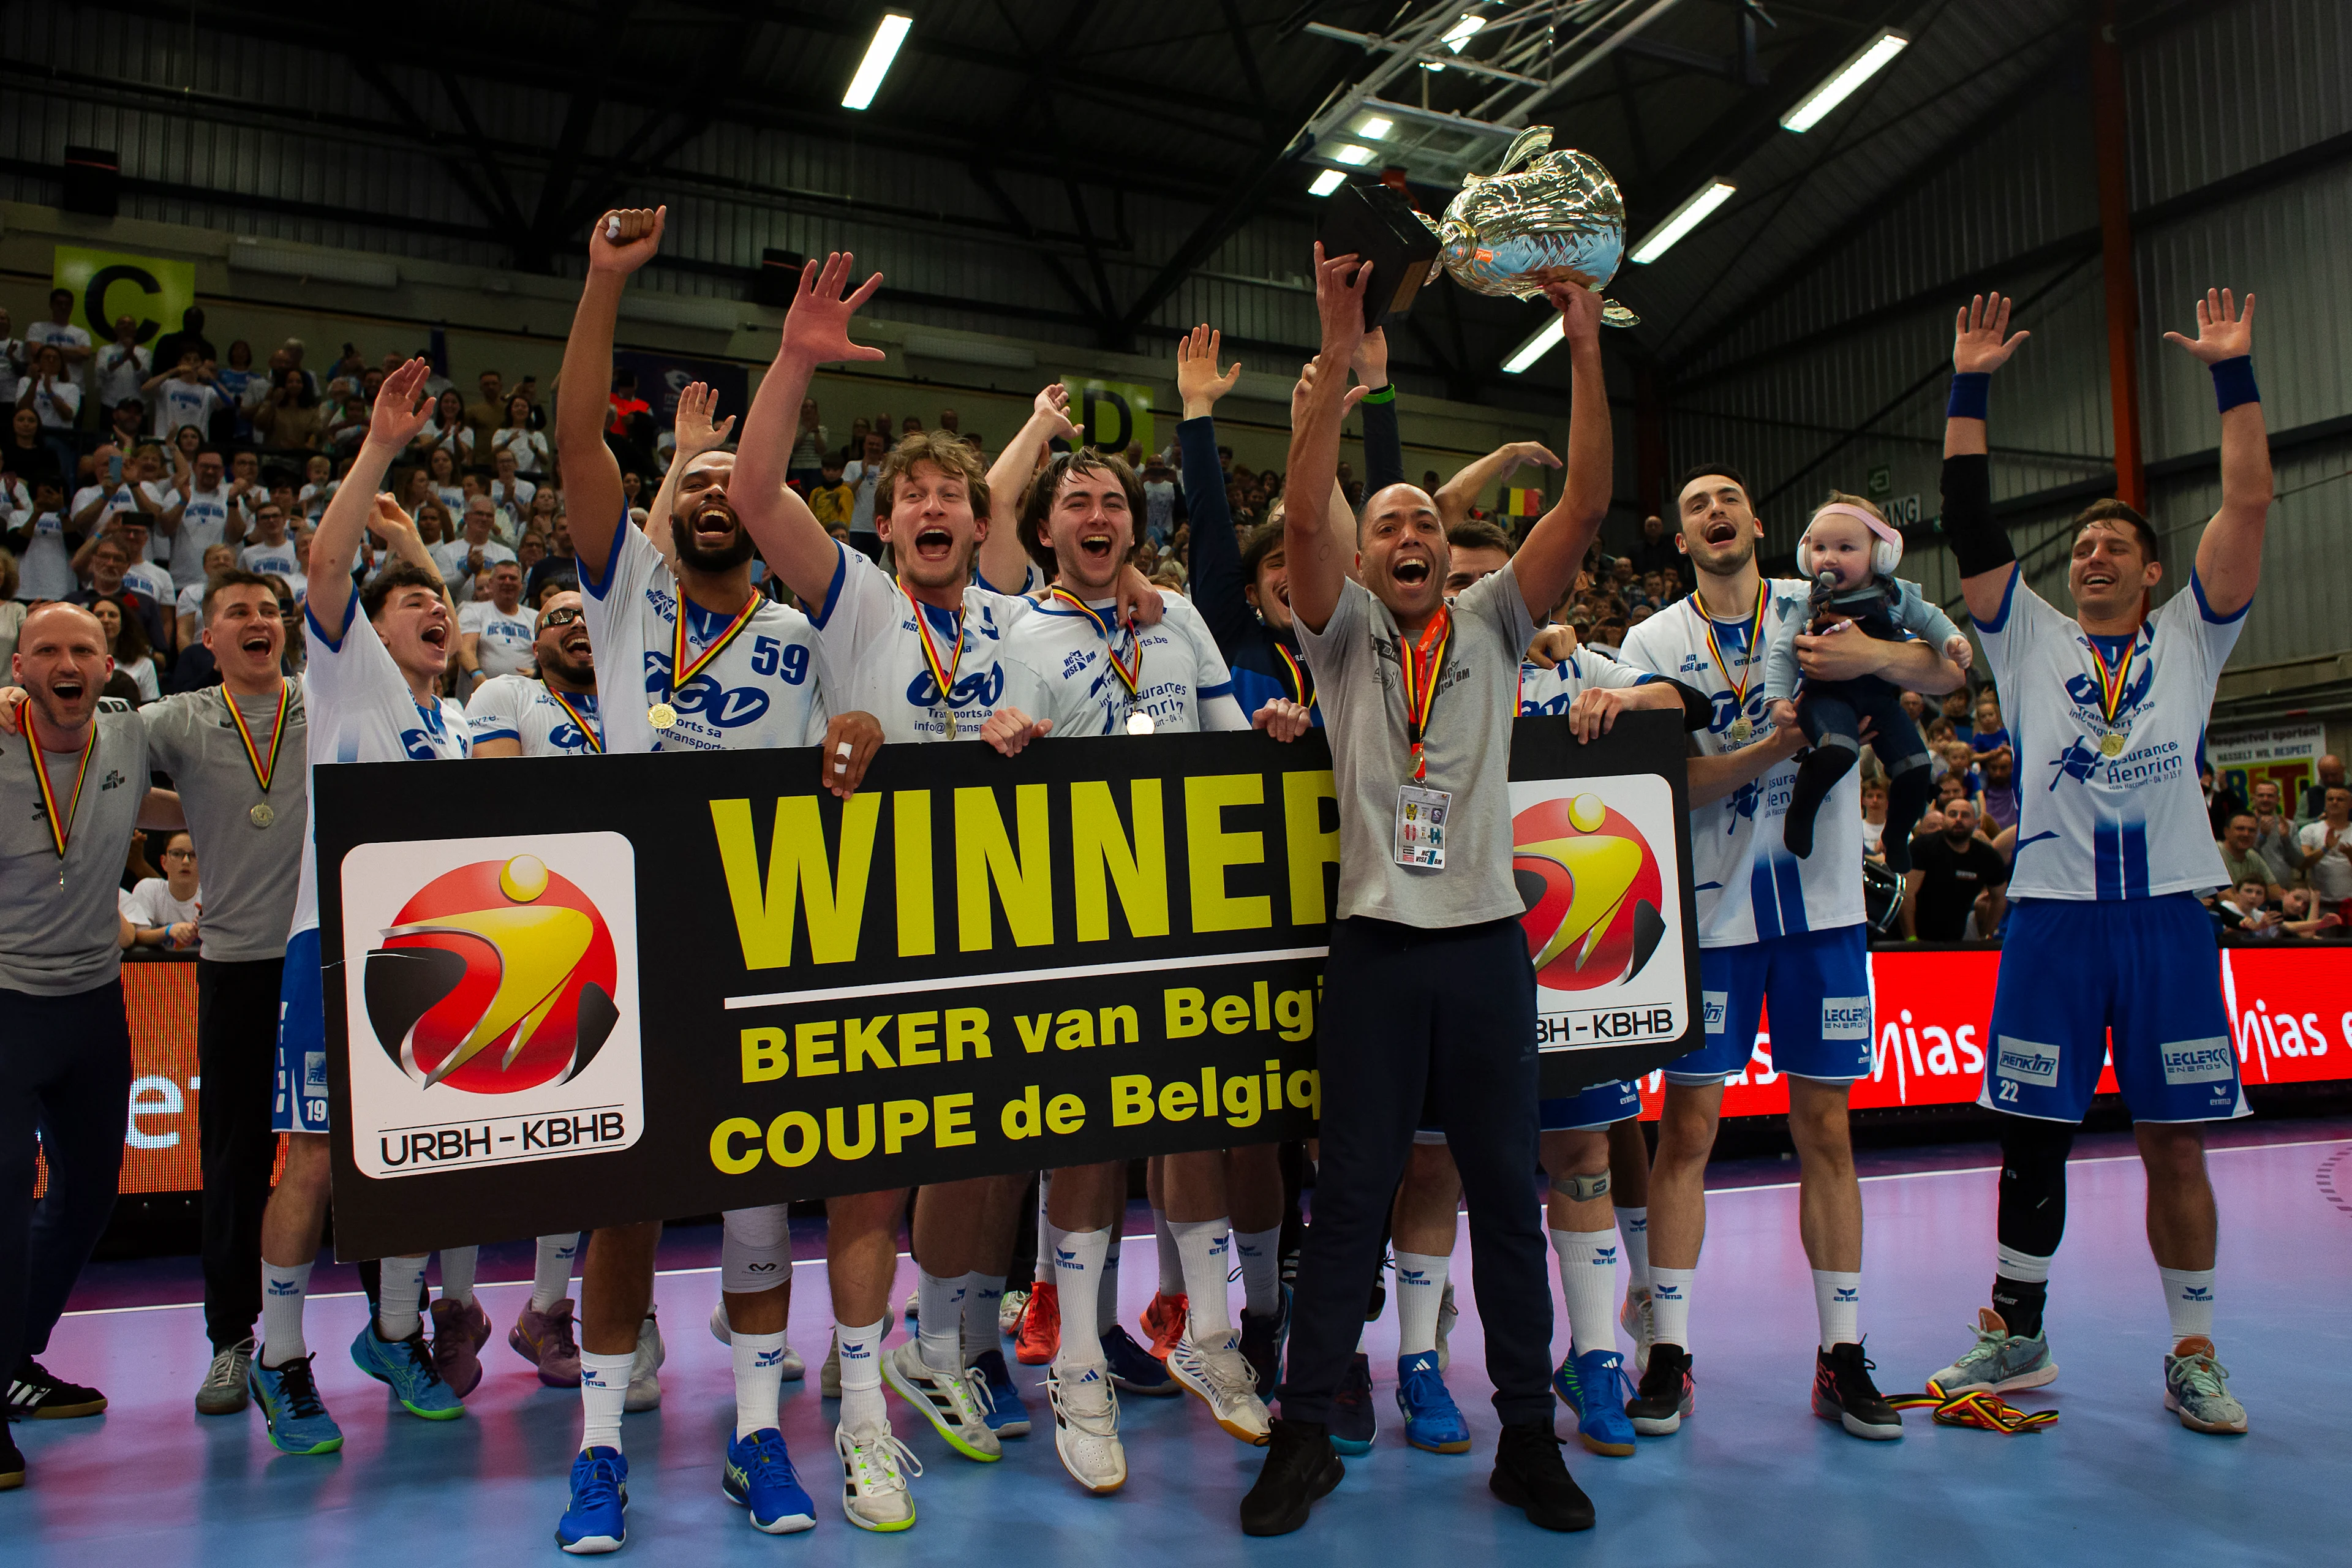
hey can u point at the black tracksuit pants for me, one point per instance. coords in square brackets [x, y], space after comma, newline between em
[236, 1050]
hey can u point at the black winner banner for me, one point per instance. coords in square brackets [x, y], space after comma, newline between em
[639, 987]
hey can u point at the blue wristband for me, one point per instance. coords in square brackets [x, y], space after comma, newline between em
[1971, 394]
[2233, 382]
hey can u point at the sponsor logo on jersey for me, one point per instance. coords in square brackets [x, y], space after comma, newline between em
[981, 686]
[2027, 1062]
[2197, 1061]
[1846, 1017]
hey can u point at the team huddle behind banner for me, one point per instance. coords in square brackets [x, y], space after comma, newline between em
[658, 986]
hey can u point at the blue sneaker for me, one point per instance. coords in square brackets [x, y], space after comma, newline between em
[758, 1475]
[297, 1416]
[1135, 1369]
[406, 1367]
[1432, 1420]
[598, 1518]
[1007, 1416]
[1354, 1424]
[1595, 1389]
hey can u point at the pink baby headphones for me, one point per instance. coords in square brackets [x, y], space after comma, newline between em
[1885, 555]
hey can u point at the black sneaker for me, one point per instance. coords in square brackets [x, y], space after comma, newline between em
[36, 1396]
[1530, 1475]
[1666, 1392]
[1300, 1465]
[1262, 1344]
[11, 1461]
[1843, 1392]
[1353, 1424]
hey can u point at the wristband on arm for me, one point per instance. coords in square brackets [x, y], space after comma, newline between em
[1971, 394]
[1387, 393]
[2233, 382]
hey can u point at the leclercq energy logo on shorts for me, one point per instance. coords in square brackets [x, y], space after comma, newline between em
[1846, 1017]
[2198, 1061]
[490, 990]
[1604, 916]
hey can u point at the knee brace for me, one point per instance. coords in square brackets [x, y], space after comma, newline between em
[2033, 1186]
[755, 1251]
[1582, 1189]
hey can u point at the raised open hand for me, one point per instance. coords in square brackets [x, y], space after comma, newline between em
[696, 432]
[402, 409]
[816, 329]
[1197, 381]
[2223, 331]
[1981, 340]
[1052, 403]
[1339, 303]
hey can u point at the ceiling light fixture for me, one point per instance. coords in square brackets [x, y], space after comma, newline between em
[1327, 182]
[1682, 220]
[877, 63]
[1842, 83]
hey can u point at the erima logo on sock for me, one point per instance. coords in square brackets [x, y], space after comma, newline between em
[591, 1378]
[764, 1359]
[1847, 1294]
[1068, 1260]
[1624, 1224]
[284, 1287]
[2197, 1293]
[1604, 1256]
[1666, 1292]
[1412, 1277]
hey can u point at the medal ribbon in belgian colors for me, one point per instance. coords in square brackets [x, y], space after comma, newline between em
[1422, 662]
[60, 827]
[1302, 685]
[681, 674]
[587, 726]
[943, 674]
[263, 771]
[1748, 670]
[2112, 682]
[1129, 678]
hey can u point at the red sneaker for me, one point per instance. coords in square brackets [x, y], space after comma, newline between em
[1040, 1336]
[1164, 1321]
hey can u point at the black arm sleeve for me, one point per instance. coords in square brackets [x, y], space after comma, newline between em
[1216, 559]
[1698, 712]
[1980, 543]
[1383, 447]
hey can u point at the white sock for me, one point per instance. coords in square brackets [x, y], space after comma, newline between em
[1203, 1244]
[1588, 1284]
[1420, 1291]
[551, 1275]
[603, 1390]
[861, 1376]
[2189, 1299]
[1837, 1299]
[1670, 1294]
[282, 1291]
[1107, 1287]
[458, 1265]
[759, 1380]
[982, 1294]
[1633, 1230]
[400, 1298]
[1077, 1265]
[1260, 1252]
[939, 1319]
[1171, 1262]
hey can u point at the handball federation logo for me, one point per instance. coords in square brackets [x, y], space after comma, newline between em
[494, 978]
[1590, 884]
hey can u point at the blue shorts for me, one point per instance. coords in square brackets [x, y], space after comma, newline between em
[1817, 985]
[1587, 1110]
[2139, 977]
[300, 1103]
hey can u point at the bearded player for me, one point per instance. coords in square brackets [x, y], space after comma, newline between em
[2108, 950]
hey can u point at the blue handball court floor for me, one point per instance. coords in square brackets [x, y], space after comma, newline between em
[1752, 1480]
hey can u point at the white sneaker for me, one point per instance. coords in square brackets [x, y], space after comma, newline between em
[1220, 1375]
[794, 1367]
[953, 1402]
[645, 1373]
[1009, 1308]
[1086, 1427]
[874, 1470]
[1640, 1320]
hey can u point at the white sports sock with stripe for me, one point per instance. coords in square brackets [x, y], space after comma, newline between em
[1420, 1293]
[861, 1376]
[1670, 1295]
[759, 1380]
[1204, 1246]
[604, 1394]
[1588, 1284]
[551, 1273]
[1078, 1267]
[283, 1291]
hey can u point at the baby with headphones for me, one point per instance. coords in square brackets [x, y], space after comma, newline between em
[1849, 552]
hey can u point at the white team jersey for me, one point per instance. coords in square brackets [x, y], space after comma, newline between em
[762, 692]
[1183, 684]
[361, 711]
[503, 637]
[1749, 886]
[513, 708]
[2132, 825]
[203, 523]
[874, 656]
[1554, 690]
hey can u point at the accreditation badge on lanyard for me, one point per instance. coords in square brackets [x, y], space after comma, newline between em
[1422, 812]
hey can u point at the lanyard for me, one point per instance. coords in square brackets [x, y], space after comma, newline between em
[60, 827]
[2112, 682]
[942, 673]
[1748, 669]
[682, 673]
[263, 771]
[1422, 663]
[1131, 677]
[1302, 685]
[587, 727]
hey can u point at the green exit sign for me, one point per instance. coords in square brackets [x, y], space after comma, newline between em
[1882, 482]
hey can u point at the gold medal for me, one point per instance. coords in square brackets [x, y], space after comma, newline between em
[1741, 728]
[1140, 724]
[951, 721]
[261, 816]
[2111, 745]
[661, 716]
